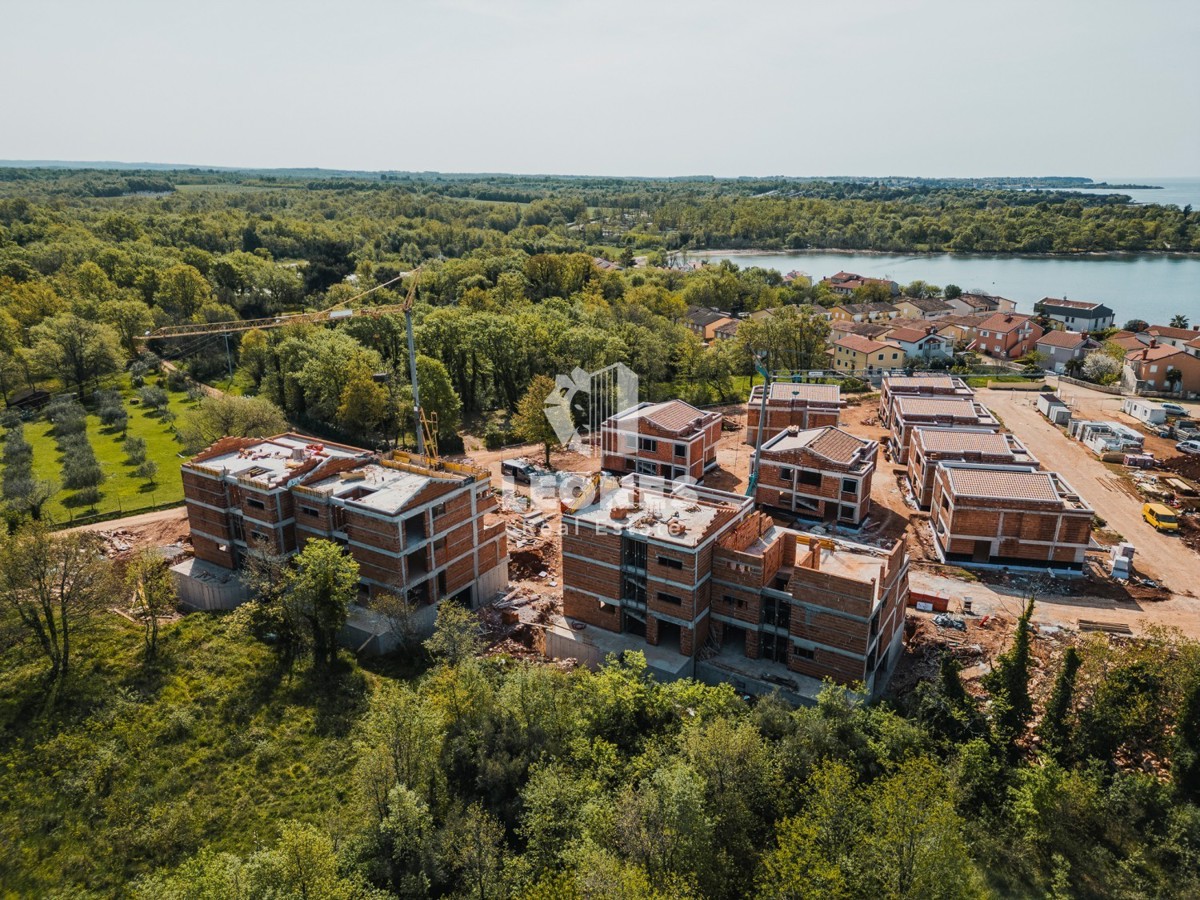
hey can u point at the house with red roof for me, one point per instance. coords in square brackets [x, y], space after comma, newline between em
[672, 439]
[854, 353]
[1007, 335]
[923, 343]
[1152, 369]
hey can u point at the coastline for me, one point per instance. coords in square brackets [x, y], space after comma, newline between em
[957, 254]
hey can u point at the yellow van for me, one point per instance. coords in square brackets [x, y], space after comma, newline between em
[1161, 517]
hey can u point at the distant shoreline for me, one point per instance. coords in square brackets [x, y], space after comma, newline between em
[1082, 254]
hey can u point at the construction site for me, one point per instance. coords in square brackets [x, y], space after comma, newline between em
[919, 516]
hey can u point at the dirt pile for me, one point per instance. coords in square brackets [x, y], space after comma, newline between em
[1188, 466]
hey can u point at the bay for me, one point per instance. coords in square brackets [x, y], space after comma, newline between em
[1135, 286]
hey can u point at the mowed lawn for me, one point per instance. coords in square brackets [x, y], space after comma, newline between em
[122, 490]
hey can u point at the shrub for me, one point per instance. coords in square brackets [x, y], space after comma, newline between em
[81, 470]
[135, 450]
[855, 385]
[155, 398]
[114, 417]
[177, 381]
[148, 470]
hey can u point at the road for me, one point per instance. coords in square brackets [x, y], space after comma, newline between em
[1160, 556]
[176, 515]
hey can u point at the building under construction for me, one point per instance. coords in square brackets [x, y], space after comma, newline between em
[707, 587]
[425, 531]
[791, 405]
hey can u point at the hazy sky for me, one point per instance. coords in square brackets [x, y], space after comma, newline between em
[1104, 88]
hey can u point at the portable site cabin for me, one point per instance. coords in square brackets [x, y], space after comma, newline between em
[1144, 411]
[1050, 406]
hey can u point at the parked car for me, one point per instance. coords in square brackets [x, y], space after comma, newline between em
[1174, 409]
[1160, 516]
[519, 470]
[1188, 447]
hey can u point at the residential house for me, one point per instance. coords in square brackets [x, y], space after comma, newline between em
[704, 321]
[728, 331]
[1146, 370]
[918, 385]
[1060, 347]
[791, 405]
[821, 473]
[1077, 315]
[1173, 337]
[924, 344]
[1007, 335]
[642, 568]
[672, 439]
[1193, 347]
[923, 307]
[846, 283]
[931, 446]
[427, 532]
[853, 354]
[971, 303]
[873, 330]
[1128, 340]
[864, 312]
[1008, 516]
[958, 413]
[963, 330]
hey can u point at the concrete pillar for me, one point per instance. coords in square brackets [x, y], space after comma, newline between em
[752, 648]
[652, 631]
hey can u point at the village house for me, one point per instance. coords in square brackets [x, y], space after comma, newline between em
[425, 532]
[970, 303]
[923, 344]
[864, 312]
[918, 385]
[1060, 347]
[645, 569]
[872, 330]
[1077, 315]
[821, 473]
[792, 405]
[962, 330]
[923, 307]
[704, 321]
[1007, 335]
[1193, 347]
[1008, 516]
[1170, 336]
[672, 439]
[1127, 340]
[1149, 370]
[934, 445]
[846, 283]
[853, 354]
[728, 331]
[909, 413]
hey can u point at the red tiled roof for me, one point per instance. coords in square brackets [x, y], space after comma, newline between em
[864, 345]
[1177, 334]
[1070, 304]
[948, 441]
[1150, 354]
[672, 415]
[1038, 486]
[825, 393]
[1002, 323]
[912, 335]
[1068, 340]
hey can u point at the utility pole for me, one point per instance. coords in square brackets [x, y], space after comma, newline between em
[229, 359]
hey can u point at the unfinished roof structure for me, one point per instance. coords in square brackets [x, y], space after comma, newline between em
[428, 531]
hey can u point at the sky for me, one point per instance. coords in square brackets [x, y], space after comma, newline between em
[1101, 88]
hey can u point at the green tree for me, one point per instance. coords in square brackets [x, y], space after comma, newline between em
[952, 292]
[76, 350]
[52, 583]
[363, 406]
[130, 318]
[456, 634]
[1054, 729]
[149, 581]
[1008, 683]
[227, 415]
[320, 587]
[437, 396]
[1179, 321]
[1185, 744]
[182, 292]
[530, 421]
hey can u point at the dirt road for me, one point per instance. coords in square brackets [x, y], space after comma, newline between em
[1160, 556]
[1179, 612]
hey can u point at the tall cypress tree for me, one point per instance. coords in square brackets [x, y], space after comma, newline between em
[1185, 755]
[1054, 730]
[1008, 684]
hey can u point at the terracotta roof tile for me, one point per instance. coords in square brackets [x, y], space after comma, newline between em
[1036, 486]
[1068, 340]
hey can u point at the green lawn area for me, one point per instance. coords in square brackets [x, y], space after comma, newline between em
[122, 491]
[136, 766]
